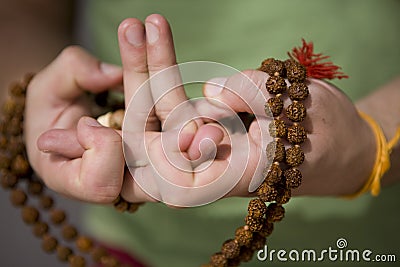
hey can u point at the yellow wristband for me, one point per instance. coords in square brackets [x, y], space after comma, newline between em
[382, 161]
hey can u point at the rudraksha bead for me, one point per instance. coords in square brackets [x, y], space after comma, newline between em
[40, 228]
[84, 243]
[133, 207]
[256, 208]
[293, 177]
[35, 187]
[30, 214]
[298, 91]
[46, 202]
[277, 128]
[246, 254]
[276, 151]
[63, 253]
[243, 236]
[275, 105]
[49, 243]
[121, 206]
[5, 161]
[17, 90]
[296, 134]
[20, 166]
[69, 232]
[218, 260]
[296, 112]
[266, 192]
[274, 174]
[275, 212]
[230, 249]
[8, 180]
[295, 72]
[97, 253]
[235, 262]
[276, 85]
[258, 242]
[57, 216]
[294, 156]
[273, 67]
[267, 229]
[254, 224]
[18, 197]
[284, 195]
[76, 261]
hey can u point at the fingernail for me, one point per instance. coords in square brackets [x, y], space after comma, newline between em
[214, 87]
[190, 128]
[134, 35]
[92, 122]
[152, 33]
[110, 69]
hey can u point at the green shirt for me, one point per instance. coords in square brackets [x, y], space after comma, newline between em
[360, 36]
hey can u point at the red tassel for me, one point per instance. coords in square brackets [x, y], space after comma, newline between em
[313, 63]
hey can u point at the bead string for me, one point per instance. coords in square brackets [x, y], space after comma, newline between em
[278, 183]
[15, 172]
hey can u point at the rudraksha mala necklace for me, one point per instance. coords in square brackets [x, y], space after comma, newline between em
[17, 176]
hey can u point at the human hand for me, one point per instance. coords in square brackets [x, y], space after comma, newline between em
[339, 152]
[71, 152]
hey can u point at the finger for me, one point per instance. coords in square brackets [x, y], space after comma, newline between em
[242, 92]
[164, 73]
[75, 71]
[138, 98]
[97, 176]
[62, 142]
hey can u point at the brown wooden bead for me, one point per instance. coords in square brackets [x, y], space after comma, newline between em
[15, 126]
[9, 107]
[57, 216]
[76, 261]
[277, 128]
[46, 202]
[274, 105]
[63, 253]
[296, 134]
[298, 91]
[293, 177]
[266, 192]
[69, 232]
[274, 174]
[5, 160]
[8, 180]
[294, 156]
[276, 151]
[49, 243]
[15, 145]
[254, 224]
[116, 119]
[122, 205]
[275, 212]
[35, 187]
[84, 243]
[295, 72]
[218, 260]
[273, 67]
[133, 207]
[258, 242]
[97, 253]
[276, 85]
[3, 141]
[267, 229]
[17, 90]
[20, 166]
[243, 236]
[256, 208]
[18, 197]
[30, 214]
[40, 229]
[296, 112]
[230, 249]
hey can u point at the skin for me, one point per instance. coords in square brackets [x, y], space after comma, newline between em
[77, 157]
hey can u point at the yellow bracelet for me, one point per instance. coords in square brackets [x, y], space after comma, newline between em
[382, 161]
